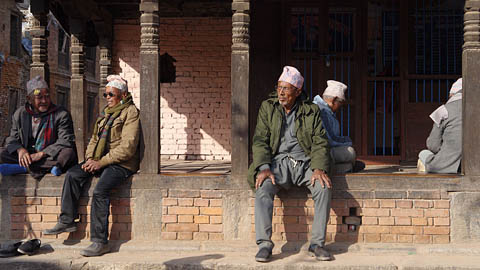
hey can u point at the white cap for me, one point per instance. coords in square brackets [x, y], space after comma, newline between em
[36, 83]
[292, 76]
[335, 89]
[456, 87]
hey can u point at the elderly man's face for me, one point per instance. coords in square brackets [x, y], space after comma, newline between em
[287, 94]
[113, 96]
[40, 101]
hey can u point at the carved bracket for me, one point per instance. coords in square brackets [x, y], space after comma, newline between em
[472, 25]
[240, 26]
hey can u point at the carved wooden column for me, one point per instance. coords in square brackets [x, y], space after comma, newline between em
[150, 86]
[39, 34]
[78, 86]
[471, 89]
[240, 68]
[105, 67]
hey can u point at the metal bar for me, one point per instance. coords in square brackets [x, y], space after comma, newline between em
[431, 49]
[350, 25]
[304, 44]
[416, 49]
[454, 43]
[311, 56]
[448, 33]
[424, 49]
[384, 117]
[393, 74]
[342, 70]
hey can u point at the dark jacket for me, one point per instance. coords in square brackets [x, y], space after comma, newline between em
[20, 133]
[308, 128]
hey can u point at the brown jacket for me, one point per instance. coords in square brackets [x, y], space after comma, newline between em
[123, 141]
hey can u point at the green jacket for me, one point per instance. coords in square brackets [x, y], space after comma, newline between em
[308, 127]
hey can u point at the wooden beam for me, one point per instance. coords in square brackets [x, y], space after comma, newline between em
[150, 87]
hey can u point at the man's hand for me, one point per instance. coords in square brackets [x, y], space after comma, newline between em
[321, 177]
[262, 176]
[24, 158]
[37, 156]
[91, 166]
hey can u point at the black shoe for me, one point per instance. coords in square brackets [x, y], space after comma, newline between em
[95, 249]
[30, 247]
[359, 166]
[10, 250]
[263, 255]
[61, 228]
[319, 253]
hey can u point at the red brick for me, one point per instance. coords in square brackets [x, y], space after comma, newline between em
[33, 217]
[419, 221]
[388, 238]
[185, 201]
[200, 236]
[441, 239]
[437, 213]
[215, 236]
[404, 204]
[211, 194]
[123, 218]
[17, 201]
[372, 238]
[172, 227]
[375, 212]
[169, 236]
[422, 239]
[422, 204]
[338, 204]
[216, 219]
[216, 202]
[169, 218]
[354, 203]
[210, 227]
[211, 211]
[185, 219]
[371, 203]
[185, 236]
[183, 193]
[403, 221]
[125, 235]
[49, 218]
[24, 209]
[407, 212]
[441, 221]
[386, 203]
[406, 230]
[33, 201]
[17, 218]
[386, 220]
[442, 204]
[369, 220]
[405, 238]
[169, 202]
[118, 227]
[436, 230]
[177, 210]
[205, 202]
[49, 201]
[375, 229]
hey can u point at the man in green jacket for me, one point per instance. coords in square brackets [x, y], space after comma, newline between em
[290, 147]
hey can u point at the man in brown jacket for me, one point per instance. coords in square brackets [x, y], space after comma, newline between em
[112, 154]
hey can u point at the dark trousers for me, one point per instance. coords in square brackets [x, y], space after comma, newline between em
[110, 177]
[66, 158]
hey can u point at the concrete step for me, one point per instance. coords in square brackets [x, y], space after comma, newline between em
[234, 255]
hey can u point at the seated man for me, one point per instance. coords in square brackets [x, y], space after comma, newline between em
[341, 150]
[41, 138]
[290, 147]
[112, 154]
[444, 145]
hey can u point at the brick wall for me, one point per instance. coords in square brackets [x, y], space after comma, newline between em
[381, 220]
[204, 215]
[195, 110]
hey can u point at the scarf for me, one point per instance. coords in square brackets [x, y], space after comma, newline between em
[109, 114]
[45, 135]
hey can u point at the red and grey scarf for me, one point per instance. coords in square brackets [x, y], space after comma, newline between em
[45, 135]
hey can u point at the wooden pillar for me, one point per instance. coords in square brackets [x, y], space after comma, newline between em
[105, 68]
[78, 86]
[240, 68]
[39, 35]
[150, 86]
[471, 89]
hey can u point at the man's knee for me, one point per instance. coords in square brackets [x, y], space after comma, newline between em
[319, 191]
[266, 190]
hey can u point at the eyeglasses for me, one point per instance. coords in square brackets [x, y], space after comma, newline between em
[110, 94]
[285, 88]
[40, 97]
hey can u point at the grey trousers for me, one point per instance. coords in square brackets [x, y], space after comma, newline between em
[343, 159]
[285, 175]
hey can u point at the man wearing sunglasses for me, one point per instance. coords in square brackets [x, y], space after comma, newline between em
[113, 155]
[290, 148]
[41, 139]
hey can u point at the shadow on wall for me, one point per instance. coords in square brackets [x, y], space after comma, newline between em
[195, 91]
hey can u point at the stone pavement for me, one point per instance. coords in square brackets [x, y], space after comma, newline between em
[240, 255]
